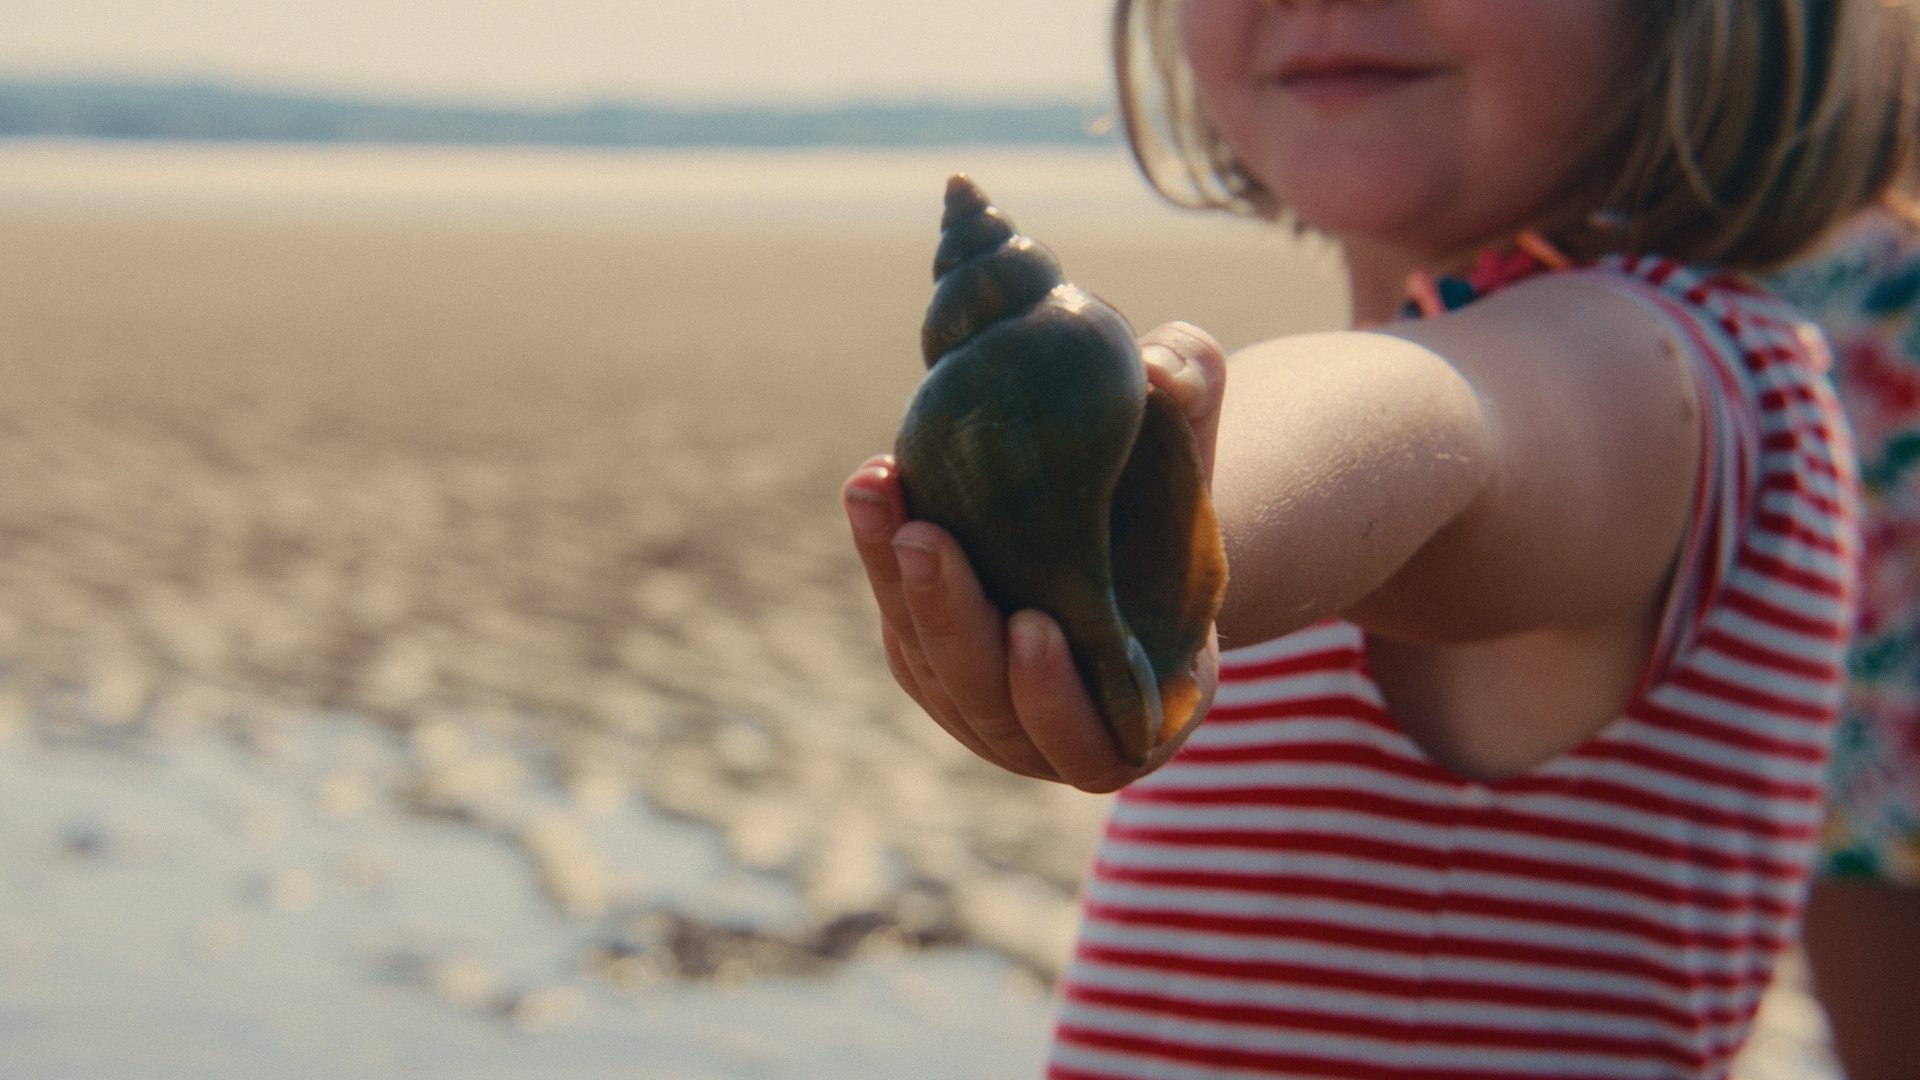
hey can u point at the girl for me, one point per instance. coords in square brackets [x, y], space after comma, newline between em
[1537, 605]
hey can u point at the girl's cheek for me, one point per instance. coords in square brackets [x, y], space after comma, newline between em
[1217, 37]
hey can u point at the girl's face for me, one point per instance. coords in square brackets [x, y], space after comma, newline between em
[1431, 126]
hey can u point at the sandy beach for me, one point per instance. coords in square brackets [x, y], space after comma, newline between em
[426, 568]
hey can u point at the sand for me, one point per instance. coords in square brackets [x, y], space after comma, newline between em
[538, 509]
[570, 486]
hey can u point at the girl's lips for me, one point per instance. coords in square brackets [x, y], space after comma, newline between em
[1339, 81]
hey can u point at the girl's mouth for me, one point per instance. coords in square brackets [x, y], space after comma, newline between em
[1336, 80]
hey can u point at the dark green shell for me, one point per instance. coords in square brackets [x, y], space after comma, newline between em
[1072, 486]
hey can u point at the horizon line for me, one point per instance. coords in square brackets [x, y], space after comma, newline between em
[569, 104]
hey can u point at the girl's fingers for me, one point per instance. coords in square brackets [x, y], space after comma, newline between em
[948, 647]
[933, 700]
[913, 676]
[1055, 709]
[1186, 362]
[962, 637]
[1061, 718]
[876, 508]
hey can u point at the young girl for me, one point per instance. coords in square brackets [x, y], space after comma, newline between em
[1537, 605]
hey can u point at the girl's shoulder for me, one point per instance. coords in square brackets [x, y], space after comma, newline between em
[1776, 492]
[1728, 297]
[1737, 324]
[1775, 478]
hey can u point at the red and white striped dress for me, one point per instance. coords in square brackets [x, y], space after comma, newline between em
[1302, 892]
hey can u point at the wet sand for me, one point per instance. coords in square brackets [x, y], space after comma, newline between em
[566, 485]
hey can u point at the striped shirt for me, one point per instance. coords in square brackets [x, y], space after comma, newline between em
[1302, 892]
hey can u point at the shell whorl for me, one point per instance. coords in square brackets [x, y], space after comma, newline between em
[984, 271]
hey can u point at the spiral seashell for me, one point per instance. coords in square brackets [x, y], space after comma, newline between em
[1073, 486]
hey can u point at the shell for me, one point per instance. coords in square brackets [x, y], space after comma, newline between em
[1072, 485]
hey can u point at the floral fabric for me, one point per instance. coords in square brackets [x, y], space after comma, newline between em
[1865, 293]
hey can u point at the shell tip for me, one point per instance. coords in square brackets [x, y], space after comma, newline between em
[963, 197]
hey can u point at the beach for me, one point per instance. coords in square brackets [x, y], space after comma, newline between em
[428, 635]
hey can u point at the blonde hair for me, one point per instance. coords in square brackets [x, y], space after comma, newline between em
[1757, 126]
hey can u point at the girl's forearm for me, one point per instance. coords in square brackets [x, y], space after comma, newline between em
[1340, 456]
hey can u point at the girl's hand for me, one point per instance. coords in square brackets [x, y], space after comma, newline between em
[1007, 688]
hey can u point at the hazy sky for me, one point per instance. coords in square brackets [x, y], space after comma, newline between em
[551, 51]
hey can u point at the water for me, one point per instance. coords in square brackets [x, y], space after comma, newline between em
[867, 185]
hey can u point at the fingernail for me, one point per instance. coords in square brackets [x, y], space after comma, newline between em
[867, 511]
[1027, 640]
[918, 565]
[1163, 358]
[1186, 382]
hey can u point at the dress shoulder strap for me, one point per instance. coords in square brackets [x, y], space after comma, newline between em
[1724, 492]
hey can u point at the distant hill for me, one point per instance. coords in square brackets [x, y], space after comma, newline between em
[134, 111]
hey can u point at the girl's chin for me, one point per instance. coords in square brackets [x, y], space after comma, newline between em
[1358, 203]
[1386, 230]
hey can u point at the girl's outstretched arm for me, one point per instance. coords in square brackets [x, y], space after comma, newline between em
[1007, 688]
[1524, 462]
[1497, 496]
